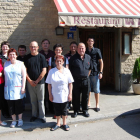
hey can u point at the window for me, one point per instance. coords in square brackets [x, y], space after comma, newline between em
[126, 43]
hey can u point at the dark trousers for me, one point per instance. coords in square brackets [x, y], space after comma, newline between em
[80, 86]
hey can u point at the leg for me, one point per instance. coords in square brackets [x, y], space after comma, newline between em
[58, 120]
[89, 99]
[97, 99]
[14, 117]
[33, 97]
[20, 116]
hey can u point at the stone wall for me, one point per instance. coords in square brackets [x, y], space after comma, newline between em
[127, 62]
[22, 21]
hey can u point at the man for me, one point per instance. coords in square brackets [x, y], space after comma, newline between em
[36, 70]
[45, 43]
[22, 53]
[73, 49]
[96, 73]
[80, 65]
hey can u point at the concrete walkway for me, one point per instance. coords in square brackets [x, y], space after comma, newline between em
[112, 104]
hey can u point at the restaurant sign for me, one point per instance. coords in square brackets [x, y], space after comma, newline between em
[98, 21]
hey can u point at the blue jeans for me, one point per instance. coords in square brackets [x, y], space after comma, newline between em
[94, 84]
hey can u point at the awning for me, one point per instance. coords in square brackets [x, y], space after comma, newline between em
[109, 13]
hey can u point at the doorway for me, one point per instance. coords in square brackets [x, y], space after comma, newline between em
[104, 40]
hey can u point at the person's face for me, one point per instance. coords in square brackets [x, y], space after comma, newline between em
[45, 46]
[73, 48]
[12, 56]
[90, 42]
[58, 50]
[59, 63]
[5, 48]
[81, 49]
[34, 47]
[21, 51]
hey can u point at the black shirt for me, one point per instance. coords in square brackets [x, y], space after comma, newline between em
[78, 67]
[95, 55]
[22, 58]
[3, 58]
[34, 65]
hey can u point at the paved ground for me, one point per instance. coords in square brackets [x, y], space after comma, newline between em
[112, 104]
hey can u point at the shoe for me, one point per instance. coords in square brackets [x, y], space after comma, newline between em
[20, 122]
[54, 128]
[86, 114]
[43, 120]
[74, 115]
[33, 119]
[54, 117]
[13, 124]
[97, 109]
[65, 127]
[3, 123]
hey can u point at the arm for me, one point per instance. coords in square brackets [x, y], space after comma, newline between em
[23, 72]
[101, 68]
[89, 72]
[67, 66]
[70, 92]
[50, 92]
[49, 68]
[41, 75]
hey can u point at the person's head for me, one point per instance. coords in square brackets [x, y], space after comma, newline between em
[90, 42]
[45, 43]
[59, 61]
[5, 46]
[73, 46]
[58, 48]
[22, 50]
[34, 48]
[81, 49]
[12, 54]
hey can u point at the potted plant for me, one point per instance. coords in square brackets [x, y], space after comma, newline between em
[136, 76]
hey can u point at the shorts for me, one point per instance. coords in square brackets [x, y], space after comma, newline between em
[15, 106]
[60, 109]
[94, 84]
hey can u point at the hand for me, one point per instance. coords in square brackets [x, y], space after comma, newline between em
[36, 82]
[32, 83]
[69, 97]
[51, 97]
[0, 74]
[100, 76]
[22, 91]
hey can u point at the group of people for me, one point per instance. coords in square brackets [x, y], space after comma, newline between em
[54, 81]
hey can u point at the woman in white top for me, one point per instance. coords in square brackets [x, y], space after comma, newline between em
[59, 82]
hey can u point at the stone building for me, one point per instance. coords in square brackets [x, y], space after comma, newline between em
[115, 25]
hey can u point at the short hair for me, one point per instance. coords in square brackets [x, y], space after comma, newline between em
[57, 45]
[90, 37]
[12, 50]
[45, 40]
[59, 57]
[81, 43]
[22, 46]
[5, 43]
[74, 42]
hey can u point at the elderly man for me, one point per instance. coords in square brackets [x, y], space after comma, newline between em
[80, 65]
[36, 70]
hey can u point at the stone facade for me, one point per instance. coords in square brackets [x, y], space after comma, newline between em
[23, 21]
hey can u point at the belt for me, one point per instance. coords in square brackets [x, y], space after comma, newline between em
[84, 78]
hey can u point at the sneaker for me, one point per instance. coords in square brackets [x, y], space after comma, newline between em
[13, 124]
[3, 123]
[20, 122]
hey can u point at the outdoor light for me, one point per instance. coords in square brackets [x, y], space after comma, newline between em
[59, 30]
[136, 31]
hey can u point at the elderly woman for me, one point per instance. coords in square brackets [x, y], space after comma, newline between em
[60, 90]
[5, 46]
[14, 90]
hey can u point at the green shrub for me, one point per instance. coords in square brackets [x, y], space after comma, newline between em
[136, 70]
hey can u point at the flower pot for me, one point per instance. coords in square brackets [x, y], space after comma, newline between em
[136, 88]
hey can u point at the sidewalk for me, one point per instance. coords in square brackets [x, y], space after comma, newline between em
[112, 105]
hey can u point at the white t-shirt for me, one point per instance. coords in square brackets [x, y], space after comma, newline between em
[59, 82]
[50, 60]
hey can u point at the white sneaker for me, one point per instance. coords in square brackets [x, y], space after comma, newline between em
[20, 122]
[13, 124]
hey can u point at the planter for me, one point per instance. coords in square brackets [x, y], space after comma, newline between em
[136, 88]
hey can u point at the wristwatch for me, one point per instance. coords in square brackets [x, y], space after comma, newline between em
[100, 72]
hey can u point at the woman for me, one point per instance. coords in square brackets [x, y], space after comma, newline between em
[14, 90]
[5, 46]
[58, 48]
[60, 90]
[1, 92]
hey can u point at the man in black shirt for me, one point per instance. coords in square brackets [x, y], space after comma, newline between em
[36, 69]
[80, 65]
[96, 72]
[22, 53]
